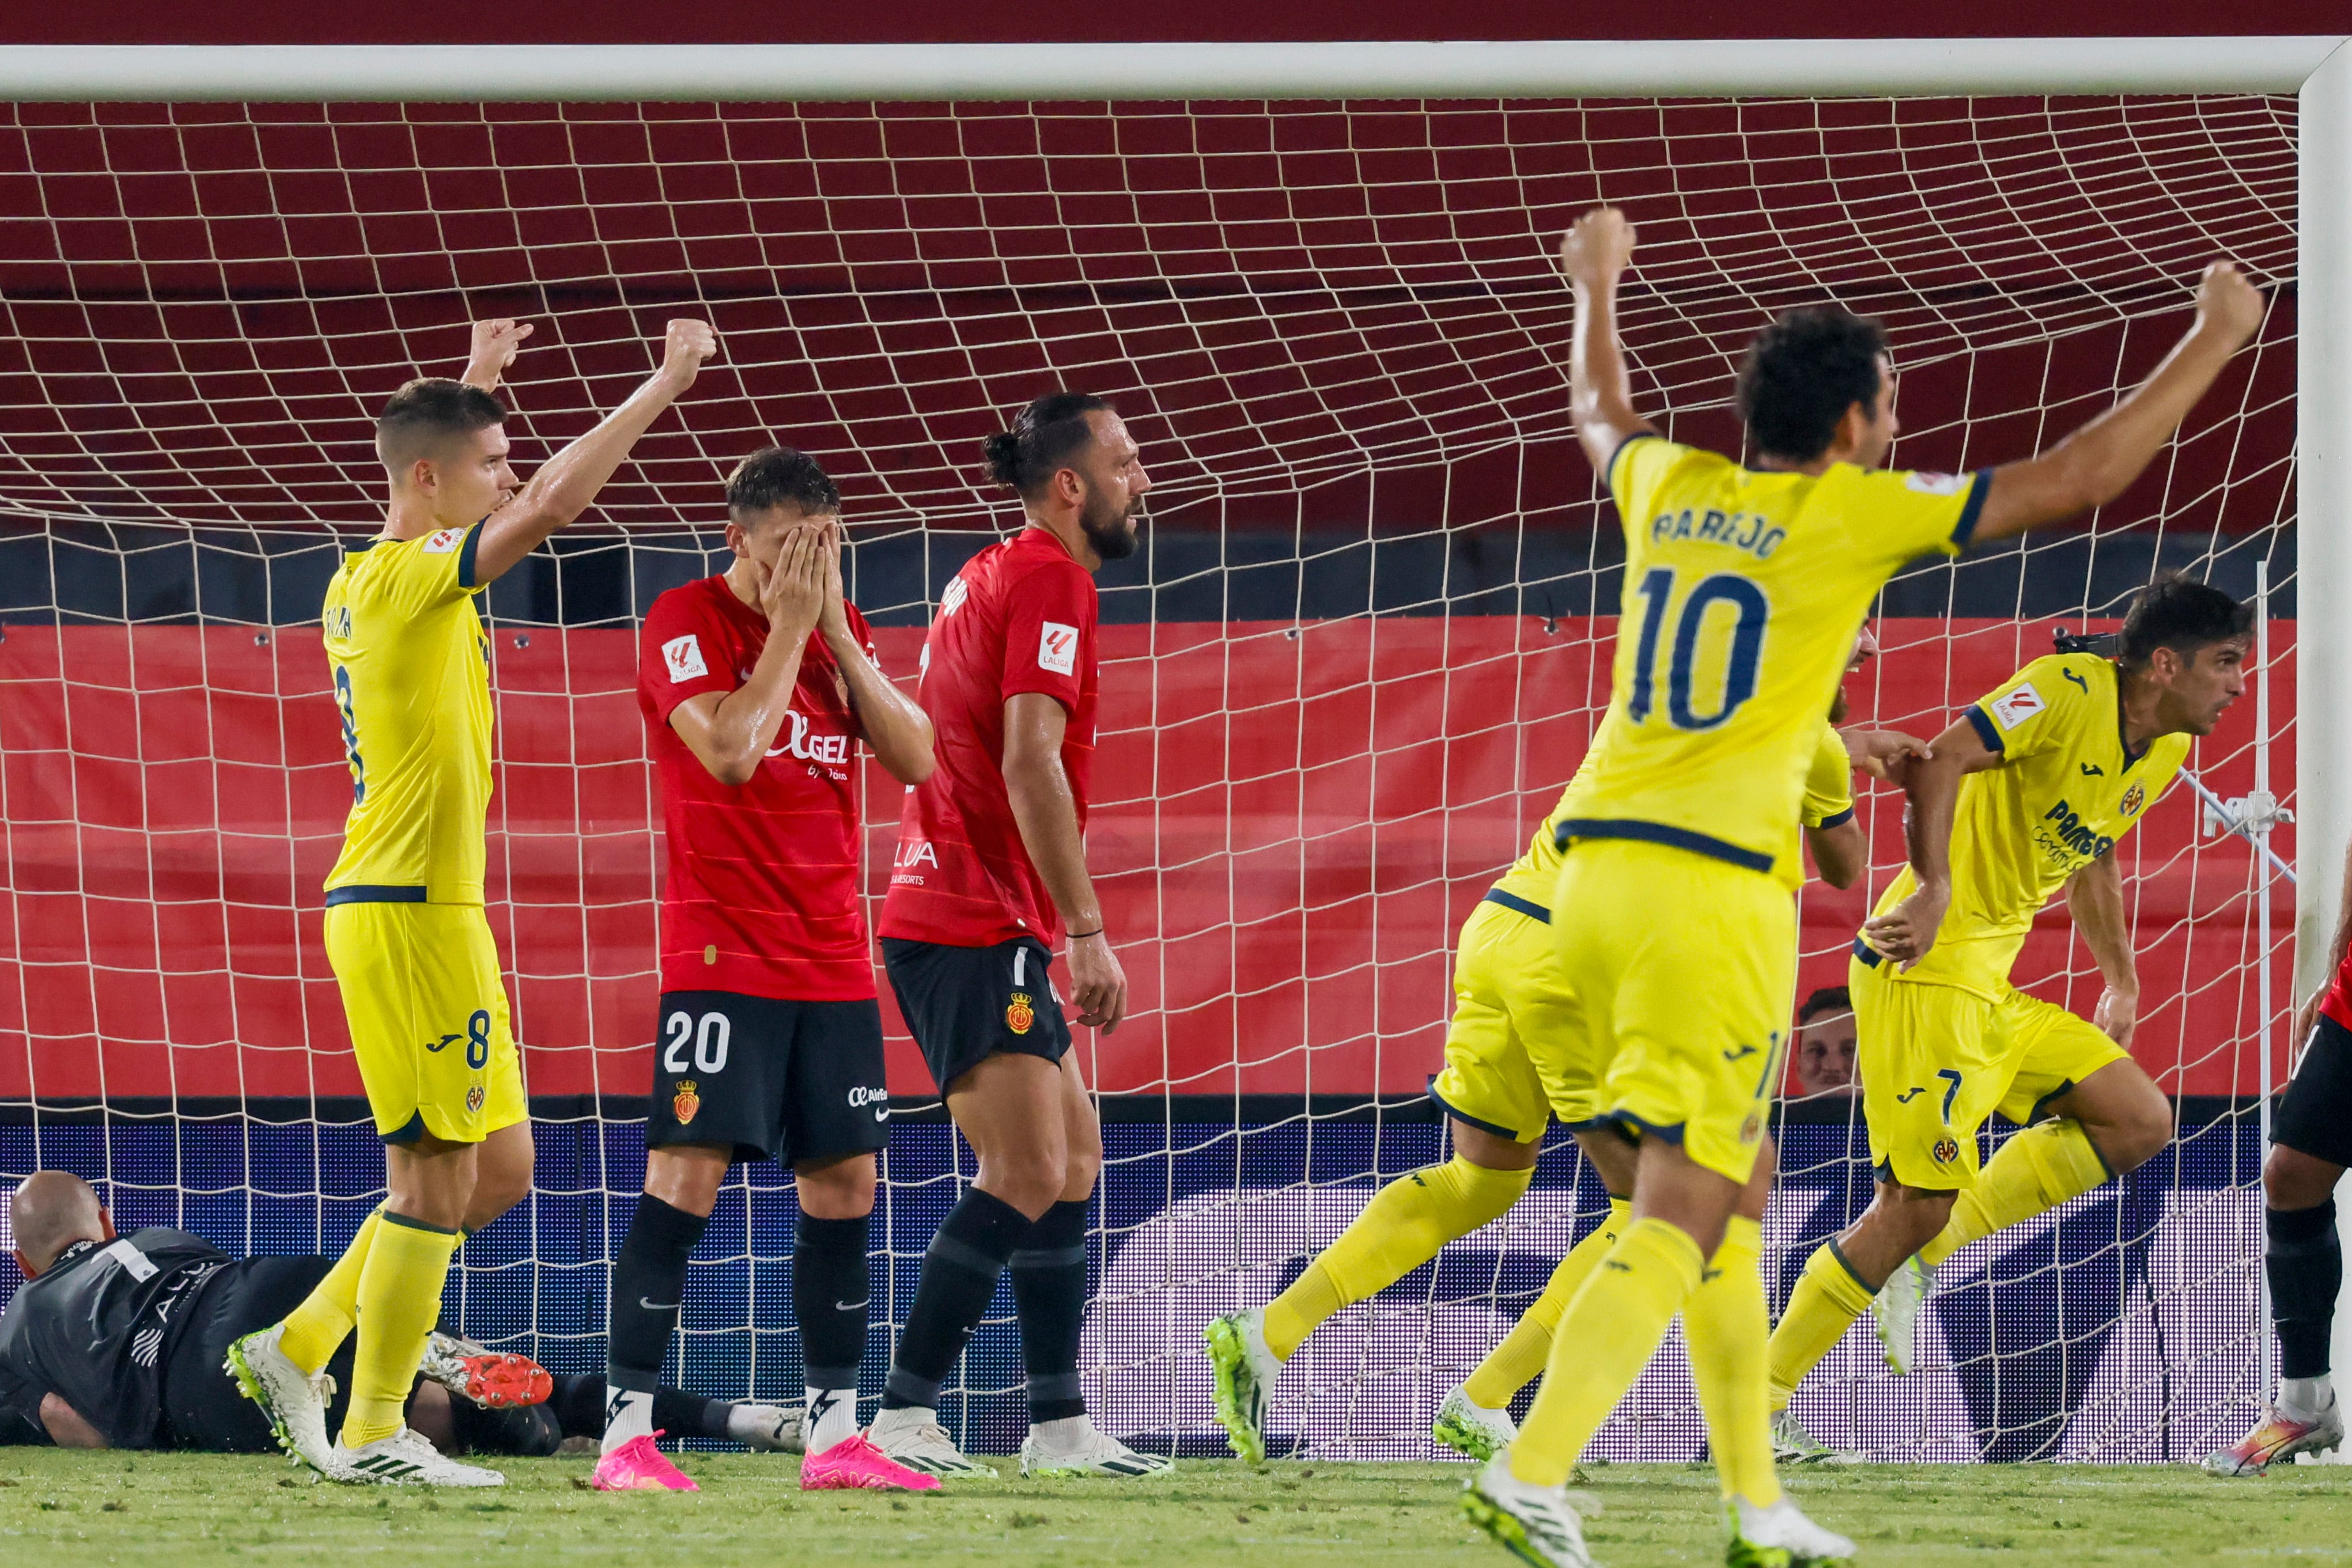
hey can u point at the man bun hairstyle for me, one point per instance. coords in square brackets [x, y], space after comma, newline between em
[1043, 437]
[2178, 612]
[427, 415]
[781, 476]
[1802, 373]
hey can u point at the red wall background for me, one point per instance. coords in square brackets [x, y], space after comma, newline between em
[1292, 823]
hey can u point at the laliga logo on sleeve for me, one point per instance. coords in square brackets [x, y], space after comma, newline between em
[445, 542]
[1057, 648]
[684, 657]
[2017, 706]
[1936, 483]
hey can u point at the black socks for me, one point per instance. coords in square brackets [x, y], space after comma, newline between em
[649, 1282]
[830, 1291]
[959, 1272]
[2305, 1262]
[1049, 1287]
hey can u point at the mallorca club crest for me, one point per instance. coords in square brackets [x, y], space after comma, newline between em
[1946, 1151]
[2133, 798]
[474, 1098]
[686, 1102]
[1019, 1014]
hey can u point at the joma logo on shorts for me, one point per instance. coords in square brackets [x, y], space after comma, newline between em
[2069, 831]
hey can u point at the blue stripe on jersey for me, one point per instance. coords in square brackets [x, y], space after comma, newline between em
[1987, 731]
[1533, 911]
[374, 892]
[1870, 957]
[465, 554]
[1657, 833]
[1967, 528]
[1834, 819]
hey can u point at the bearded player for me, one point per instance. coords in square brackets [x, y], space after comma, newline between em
[2028, 792]
[990, 875]
[759, 687]
[2302, 1253]
[1506, 992]
[405, 931]
[1673, 919]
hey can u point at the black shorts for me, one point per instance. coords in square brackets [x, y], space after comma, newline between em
[203, 1410]
[965, 1005]
[789, 1081]
[2314, 1111]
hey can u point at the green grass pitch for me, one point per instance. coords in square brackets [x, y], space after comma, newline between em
[172, 1511]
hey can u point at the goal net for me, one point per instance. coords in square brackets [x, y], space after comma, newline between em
[1365, 644]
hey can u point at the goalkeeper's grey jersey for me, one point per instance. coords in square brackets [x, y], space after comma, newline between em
[98, 1327]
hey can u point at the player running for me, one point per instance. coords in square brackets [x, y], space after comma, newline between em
[1673, 919]
[117, 1343]
[991, 871]
[1474, 1417]
[756, 687]
[1506, 991]
[405, 933]
[2302, 1254]
[2030, 791]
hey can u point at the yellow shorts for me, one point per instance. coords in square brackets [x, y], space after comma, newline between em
[1936, 1060]
[1507, 991]
[1680, 972]
[428, 1018]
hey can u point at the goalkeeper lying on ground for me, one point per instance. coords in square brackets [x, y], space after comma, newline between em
[118, 1342]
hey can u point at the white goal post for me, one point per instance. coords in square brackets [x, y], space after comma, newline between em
[2317, 67]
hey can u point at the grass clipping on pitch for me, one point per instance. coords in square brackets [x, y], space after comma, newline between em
[174, 1510]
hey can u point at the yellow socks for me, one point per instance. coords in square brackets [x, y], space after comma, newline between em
[1513, 1364]
[1827, 1300]
[399, 1300]
[1603, 1342]
[1405, 1225]
[2038, 1169]
[1727, 1324]
[315, 1330]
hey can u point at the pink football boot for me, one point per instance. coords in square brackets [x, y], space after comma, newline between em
[854, 1464]
[638, 1466]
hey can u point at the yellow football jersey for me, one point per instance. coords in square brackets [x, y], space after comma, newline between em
[1828, 782]
[2066, 794]
[1829, 801]
[411, 663]
[1744, 592]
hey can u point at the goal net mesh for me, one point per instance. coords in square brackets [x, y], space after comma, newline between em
[1364, 646]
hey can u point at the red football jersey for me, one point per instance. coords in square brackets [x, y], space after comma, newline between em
[1020, 617]
[2337, 1003]
[762, 898]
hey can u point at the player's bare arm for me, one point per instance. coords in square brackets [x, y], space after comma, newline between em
[2094, 897]
[1884, 755]
[1595, 255]
[497, 341]
[1840, 854]
[2098, 462]
[567, 483]
[730, 732]
[1047, 815]
[67, 1427]
[1907, 931]
[897, 728]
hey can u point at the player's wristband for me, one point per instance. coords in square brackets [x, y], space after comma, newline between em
[1082, 936]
